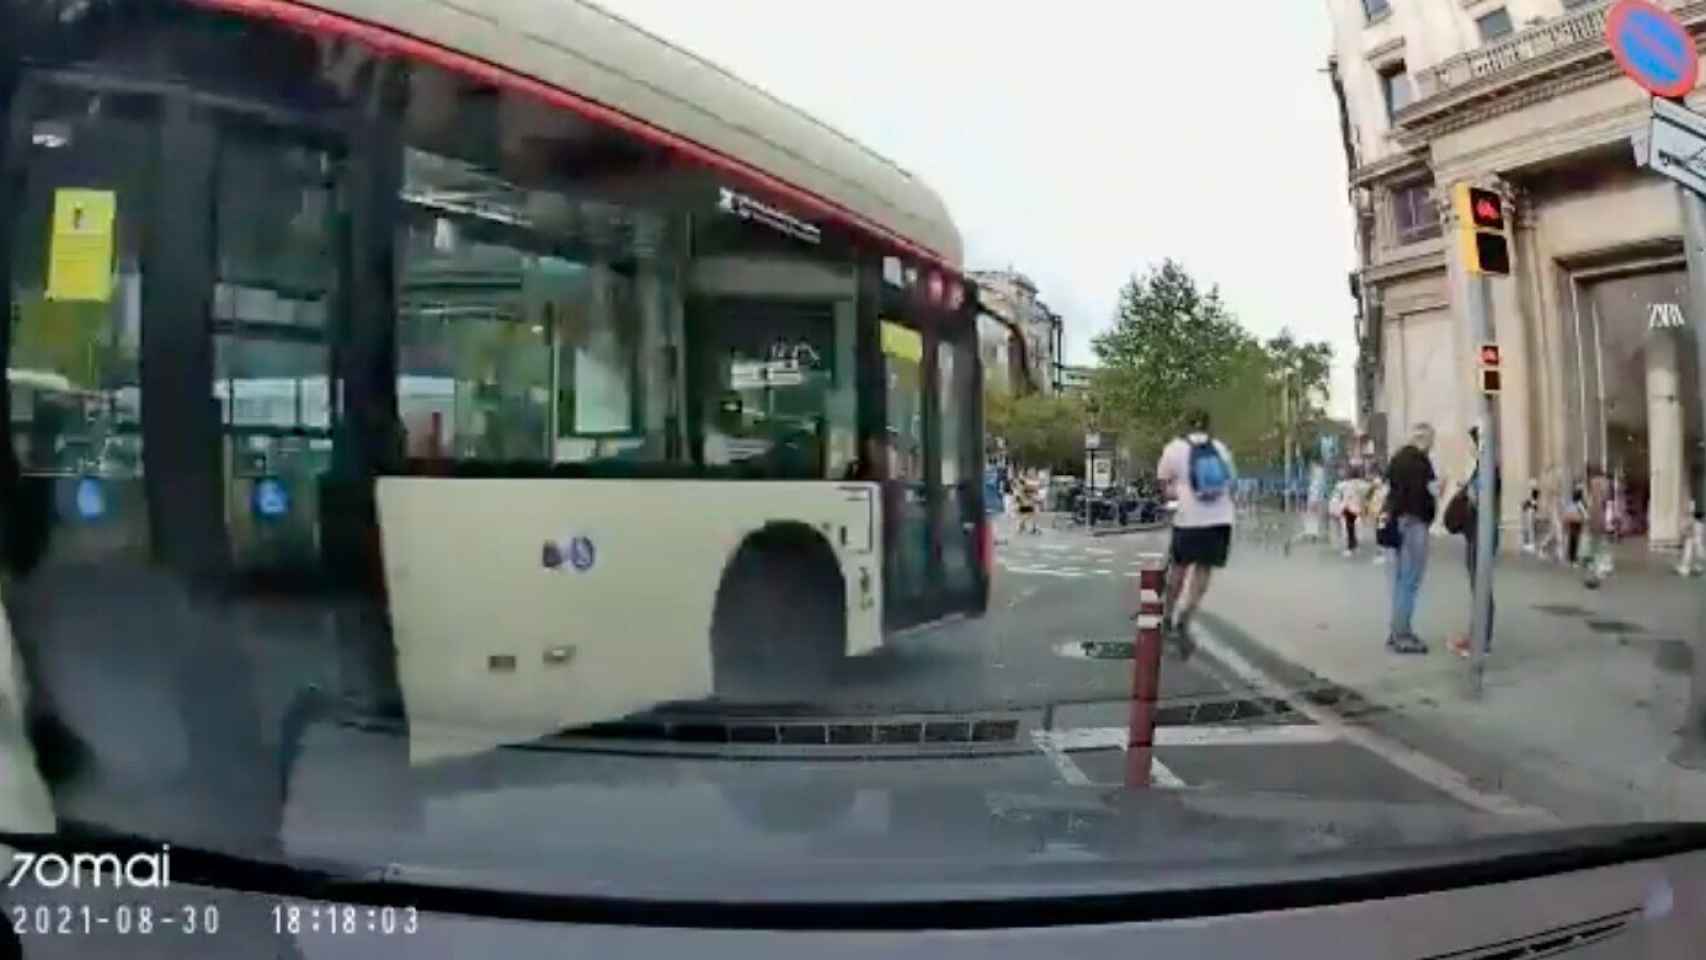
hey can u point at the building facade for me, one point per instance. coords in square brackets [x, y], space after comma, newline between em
[1521, 96]
[1020, 337]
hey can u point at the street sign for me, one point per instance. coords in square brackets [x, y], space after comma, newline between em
[1101, 473]
[1092, 441]
[1676, 145]
[1654, 49]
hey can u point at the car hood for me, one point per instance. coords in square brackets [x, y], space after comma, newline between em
[578, 822]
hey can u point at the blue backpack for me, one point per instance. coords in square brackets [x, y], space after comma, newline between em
[1209, 474]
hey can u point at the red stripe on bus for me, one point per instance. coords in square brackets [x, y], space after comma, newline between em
[325, 23]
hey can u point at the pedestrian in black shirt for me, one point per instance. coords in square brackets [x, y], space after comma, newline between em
[1411, 501]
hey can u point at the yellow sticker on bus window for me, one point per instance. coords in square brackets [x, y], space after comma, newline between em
[902, 342]
[80, 260]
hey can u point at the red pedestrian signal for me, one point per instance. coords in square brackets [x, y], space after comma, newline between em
[1484, 245]
[1489, 354]
[1489, 209]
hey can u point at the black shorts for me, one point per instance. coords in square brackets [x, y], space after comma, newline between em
[1201, 546]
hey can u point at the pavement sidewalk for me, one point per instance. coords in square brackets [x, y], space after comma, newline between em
[1585, 689]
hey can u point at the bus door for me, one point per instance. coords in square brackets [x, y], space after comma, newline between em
[932, 425]
[115, 588]
[911, 583]
[958, 424]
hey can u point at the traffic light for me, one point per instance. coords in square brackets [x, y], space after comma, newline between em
[1491, 381]
[1481, 231]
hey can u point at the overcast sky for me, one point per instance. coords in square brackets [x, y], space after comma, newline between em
[1081, 140]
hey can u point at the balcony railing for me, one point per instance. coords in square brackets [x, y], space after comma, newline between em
[1585, 29]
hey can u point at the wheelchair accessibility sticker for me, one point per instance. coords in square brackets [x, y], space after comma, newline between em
[91, 499]
[271, 498]
[577, 553]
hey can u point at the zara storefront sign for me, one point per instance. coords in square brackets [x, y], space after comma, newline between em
[747, 208]
[1665, 316]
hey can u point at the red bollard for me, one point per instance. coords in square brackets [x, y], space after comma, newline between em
[1145, 670]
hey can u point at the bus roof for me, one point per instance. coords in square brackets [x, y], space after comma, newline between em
[619, 72]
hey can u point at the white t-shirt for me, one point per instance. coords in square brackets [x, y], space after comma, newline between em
[1175, 471]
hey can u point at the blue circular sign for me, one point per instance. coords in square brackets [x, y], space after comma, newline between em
[271, 499]
[582, 554]
[1653, 48]
[91, 498]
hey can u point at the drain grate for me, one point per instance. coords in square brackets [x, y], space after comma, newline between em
[1615, 626]
[802, 732]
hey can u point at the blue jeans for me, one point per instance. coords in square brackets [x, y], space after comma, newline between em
[1407, 570]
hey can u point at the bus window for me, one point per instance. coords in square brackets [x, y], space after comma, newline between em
[73, 369]
[538, 305]
[772, 324]
[903, 356]
[276, 271]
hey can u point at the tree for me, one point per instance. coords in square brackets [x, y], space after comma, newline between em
[1039, 430]
[1175, 347]
[1172, 343]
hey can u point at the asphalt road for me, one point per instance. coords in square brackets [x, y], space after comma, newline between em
[1219, 725]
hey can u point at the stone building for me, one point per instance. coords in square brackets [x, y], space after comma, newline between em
[1030, 358]
[1522, 96]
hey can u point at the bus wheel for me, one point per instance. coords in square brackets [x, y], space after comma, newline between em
[780, 623]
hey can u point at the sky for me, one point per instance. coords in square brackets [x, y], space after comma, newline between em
[1080, 141]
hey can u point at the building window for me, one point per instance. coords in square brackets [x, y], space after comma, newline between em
[1494, 25]
[1413, 215]
[1376, 9]
[1395, 87]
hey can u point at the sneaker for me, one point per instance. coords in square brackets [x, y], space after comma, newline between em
[1459, 644]
[1380, 559]
[1406, 644]
[1181, 637]
[1350, 554]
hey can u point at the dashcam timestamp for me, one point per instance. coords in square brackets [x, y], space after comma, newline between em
[125, 919]
[343, 919]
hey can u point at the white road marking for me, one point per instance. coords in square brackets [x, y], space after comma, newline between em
[1070, 773]
[1161, 776]
[1291, 734]
[1042, 571]
[1098, 551]
[1408, 759]
[1073, 775]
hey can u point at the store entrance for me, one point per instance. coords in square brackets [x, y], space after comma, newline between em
[1639, 361]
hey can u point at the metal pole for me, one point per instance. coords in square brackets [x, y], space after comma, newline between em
[1691, 751]
[1145, 670]
[1285, 440]
[1486, 493]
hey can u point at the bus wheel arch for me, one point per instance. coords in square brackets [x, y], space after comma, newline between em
[779, 621]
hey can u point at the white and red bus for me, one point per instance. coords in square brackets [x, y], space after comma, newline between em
[523, 368]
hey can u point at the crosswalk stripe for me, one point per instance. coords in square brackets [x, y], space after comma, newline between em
[1043, 571]
[1102, 738]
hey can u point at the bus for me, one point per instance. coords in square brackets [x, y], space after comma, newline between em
[503, 370]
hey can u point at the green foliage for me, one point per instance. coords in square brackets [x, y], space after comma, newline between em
[1170, 342]
[1175, 347]
[1039, 430]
